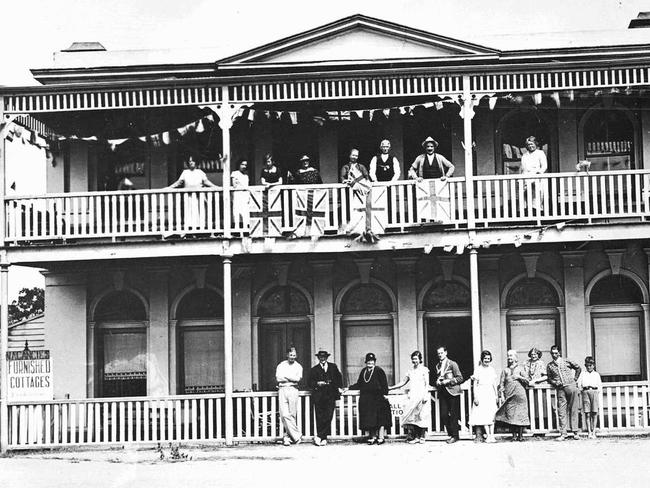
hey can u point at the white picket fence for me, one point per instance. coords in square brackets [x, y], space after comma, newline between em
[201, 419]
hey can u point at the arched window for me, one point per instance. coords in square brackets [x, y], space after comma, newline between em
[121, 345]
[609, 139]
[533, 316]
[511, 134]
[618, 328]
[366, 326]
[448, 322]
[200, 342]
[284, 321]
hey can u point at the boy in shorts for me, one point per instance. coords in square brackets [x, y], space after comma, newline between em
[590, 383]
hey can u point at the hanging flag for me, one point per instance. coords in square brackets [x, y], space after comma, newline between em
[113, 143]
[492, 102]
[369, 214]
[433, 200]
[537, 98]
[310, 211]
[386, 112]
[359, 113]
[265, 212]
[358, 182]
[556, 98]
[294, 117]
[200, 127]
[439, 105]
[251, 114]
[166, 138]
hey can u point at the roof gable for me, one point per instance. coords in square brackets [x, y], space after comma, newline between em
[357, 38]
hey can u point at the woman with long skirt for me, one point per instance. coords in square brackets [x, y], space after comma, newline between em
[514, 402]
[374, 409]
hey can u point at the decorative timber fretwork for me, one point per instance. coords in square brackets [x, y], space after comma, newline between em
[346, 89]
[560, 80]
[71, 98]
[111, 99]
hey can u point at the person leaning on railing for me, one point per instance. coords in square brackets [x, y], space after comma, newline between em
[430, 164]
[193, 178]
[306, 174]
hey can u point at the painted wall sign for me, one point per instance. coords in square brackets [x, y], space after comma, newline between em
[29, 375]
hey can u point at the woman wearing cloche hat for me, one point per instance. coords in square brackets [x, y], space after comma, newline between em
[374, 409]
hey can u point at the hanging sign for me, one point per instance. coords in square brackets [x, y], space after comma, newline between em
[29, 375]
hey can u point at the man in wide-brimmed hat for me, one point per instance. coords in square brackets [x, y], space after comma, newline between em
[430, 164]
[325, 382]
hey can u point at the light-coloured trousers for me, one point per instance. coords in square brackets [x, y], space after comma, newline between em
[568, 405]
[288, 398]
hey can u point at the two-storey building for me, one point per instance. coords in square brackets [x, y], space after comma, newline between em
[178, 305]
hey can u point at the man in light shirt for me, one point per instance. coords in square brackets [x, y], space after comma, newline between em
[384, 166]
[288, 374]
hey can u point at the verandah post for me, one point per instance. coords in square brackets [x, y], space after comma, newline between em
[4, 334]
[468, 113]
[227, 346]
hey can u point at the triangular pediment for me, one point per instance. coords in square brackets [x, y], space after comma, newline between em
[357, 38]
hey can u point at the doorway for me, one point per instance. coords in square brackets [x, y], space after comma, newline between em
[275, 339]
[456, 334]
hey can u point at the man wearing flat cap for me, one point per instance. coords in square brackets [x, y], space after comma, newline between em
[430, 165]
[325, 382]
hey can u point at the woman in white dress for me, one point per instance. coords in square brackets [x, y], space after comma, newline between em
[240, 199]
[194, 204]
[534, 162]
[417, 412]
[484, 383]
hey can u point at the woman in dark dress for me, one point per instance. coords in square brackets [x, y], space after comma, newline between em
[374, 409]
[306, 174]
[270, 173]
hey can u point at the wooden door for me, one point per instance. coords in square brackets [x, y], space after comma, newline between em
[456, 334]
[275, 339]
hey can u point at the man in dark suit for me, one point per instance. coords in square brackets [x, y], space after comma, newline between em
[449, 379]
[325, 382]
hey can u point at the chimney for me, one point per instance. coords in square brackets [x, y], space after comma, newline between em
[77, 47]
[642, 20]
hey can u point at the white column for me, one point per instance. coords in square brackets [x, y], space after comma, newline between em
[226, 124]
[476, 306]
[4, 337]
[227, 345]
[467, 114]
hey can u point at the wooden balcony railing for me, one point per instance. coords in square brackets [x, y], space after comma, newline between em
[201, 418]
[329, 209]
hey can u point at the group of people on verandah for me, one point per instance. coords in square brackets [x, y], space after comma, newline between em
[495, 399]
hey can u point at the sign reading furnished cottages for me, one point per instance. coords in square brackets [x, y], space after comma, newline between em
[29, 375]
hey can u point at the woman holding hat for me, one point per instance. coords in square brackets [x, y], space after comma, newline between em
[374, 409]
[306, 174]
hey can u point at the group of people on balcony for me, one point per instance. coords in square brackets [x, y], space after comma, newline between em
[501, 399]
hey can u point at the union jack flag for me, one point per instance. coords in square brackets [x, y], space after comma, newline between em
[265, 212]
[434, 202]
[310, 209]
[369, 211]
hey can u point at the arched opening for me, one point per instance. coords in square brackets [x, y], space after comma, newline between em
[200, 349]
[367, 326]
[120, 318]
[284, 322]
[512, 131]
[609, 137]
[448, 322]
[618, 328]
[533, 318]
